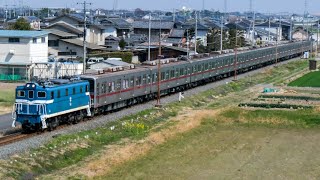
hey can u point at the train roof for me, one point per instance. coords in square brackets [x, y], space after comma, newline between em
[53, 83]
[173, 62]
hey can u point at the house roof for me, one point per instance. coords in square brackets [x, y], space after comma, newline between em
[69, 27]
[112, 38]
[78, 42]
[177, 33]
[22, 34]
[173, 40]
[155, 24]
[61, 33]
[120, 23]
[77, 17]
[190, 25]
[264, 32]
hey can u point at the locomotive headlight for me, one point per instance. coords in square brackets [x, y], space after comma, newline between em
[33, 85]
[28, 85]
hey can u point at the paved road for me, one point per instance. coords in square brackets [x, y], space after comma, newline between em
[5, 121]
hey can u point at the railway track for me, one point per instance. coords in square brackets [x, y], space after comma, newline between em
[13, 138]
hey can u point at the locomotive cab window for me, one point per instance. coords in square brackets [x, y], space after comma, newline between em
[41, 94]
[30, 94]
[20, 93]
[59, 94]
[67, 92]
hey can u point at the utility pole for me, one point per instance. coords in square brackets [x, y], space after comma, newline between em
[159, 68]
[221, 31]
[149, 45]
[6, 11]
[84, 33]
[269, 30]
[253, 28]
[317, 38]
[187, 43]
[196, 34]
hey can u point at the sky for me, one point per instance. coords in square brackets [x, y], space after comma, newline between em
[266, 6]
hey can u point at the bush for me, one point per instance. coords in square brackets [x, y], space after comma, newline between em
[125, 56]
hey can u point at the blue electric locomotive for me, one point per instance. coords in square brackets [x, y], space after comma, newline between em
[39, 106]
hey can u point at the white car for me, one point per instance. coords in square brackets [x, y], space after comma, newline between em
[94, 60]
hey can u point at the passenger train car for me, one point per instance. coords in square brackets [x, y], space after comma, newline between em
[41, 106]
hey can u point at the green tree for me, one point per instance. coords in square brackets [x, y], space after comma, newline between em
[122, 44]
[21, 24]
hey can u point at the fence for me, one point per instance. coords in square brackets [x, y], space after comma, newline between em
[39, 71]
[14, 73]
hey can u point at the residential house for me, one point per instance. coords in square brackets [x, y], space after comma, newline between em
[19, 50]
[202, 31]
[23, 47]
[141, 27]
[112, 43]
[175, 37]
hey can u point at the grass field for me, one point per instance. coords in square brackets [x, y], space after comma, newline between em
[309, 80]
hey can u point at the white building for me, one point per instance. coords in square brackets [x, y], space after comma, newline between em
[19, 50]
[23, 47]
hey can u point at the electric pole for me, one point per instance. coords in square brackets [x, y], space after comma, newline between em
[84, 33]
[196, 34]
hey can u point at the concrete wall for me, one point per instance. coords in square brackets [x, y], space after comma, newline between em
[66, 47]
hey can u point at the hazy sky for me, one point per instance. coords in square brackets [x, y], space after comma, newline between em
[291, 6]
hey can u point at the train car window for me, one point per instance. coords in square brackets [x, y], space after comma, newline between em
[73, 91]
[98, 88]
[21, 93]
[167, 75]
[144, 79]
[59, 94]
[199, 68]
[148, 79]
[87, 88]
[154, 77]
[103, 88]
[41, 94]
[67, 92]
[206, 66]
[138, 81]
[30, 94]
[172, 74]
[210, 65]
[132, 82]
[52, 94]
[81, 89]
[125, 83]
[162, 76]
[181, 71]
[118, 85]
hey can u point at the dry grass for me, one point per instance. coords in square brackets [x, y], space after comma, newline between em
[115, 155]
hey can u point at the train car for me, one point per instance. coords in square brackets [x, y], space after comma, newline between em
[47, 104]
